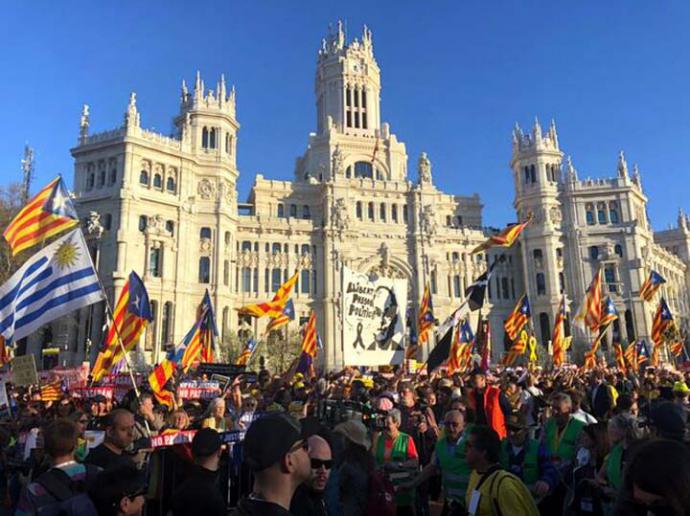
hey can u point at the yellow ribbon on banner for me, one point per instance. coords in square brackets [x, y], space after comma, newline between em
[532, 349]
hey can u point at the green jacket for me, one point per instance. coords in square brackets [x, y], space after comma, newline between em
[455, 473]
[530, 464]
[565, 447]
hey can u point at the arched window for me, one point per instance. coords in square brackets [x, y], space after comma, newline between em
[90, 180]
[449, 220]
[246, 245]
[610, 277]
[594, 252]
[227, 143]
[601, 213]
[144, 177]
[170, 185]
[370, 211]
[213, 136]
[434, 283]
[306, 249]
[293, 210]
[613, 212]
[405, 214]
[170, 227]
[107, 221]
[364, 169]
[281, 210]
[382, 212]
[113, 176]
[155, 266]
[205, 232]
[532, 174]
[544, 327]
[348, 172]
[157, 181]
[458, 221]
[276, 248]
[590, 214]
[618, 249]
[457, 291]
[204, 138]
[304, 281]
[276, 279]
[306, 212]
[226, 272]
[538, 258]
[227, 238]
[166, 324]
[101, 177]
[541, 284]
[358, 209]
[142, 222]
[456, 256]
[204, 269]
[246, 279]
[394, 213]
[150, 339]
[526, 175]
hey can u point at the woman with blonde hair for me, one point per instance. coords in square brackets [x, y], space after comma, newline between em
[214, 417]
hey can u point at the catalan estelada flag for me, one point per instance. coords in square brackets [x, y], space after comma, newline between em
[631, 356]
[518, 317]
[132, 314]
[505, 238]
[47, 214]
[280, 321]
[518, 348]
[676, 348]
[310, 345]
[461, 349]
[247, 351]
[51, 391]
[663, 318]
[201, 336]
[426, 316]
[651, 285]
[558, 335]
[608, 312]
[642, 353]
[620, 357]
[274, 307]
[590, 312]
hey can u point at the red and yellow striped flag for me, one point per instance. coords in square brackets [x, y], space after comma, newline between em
[558, 335]
[505, 238]
[51, 391]
[274, 307]
[426, 316]
[132, 314]
[591, 311]
[157, 380]
[620, 357]
[518, 317]
[48, 213]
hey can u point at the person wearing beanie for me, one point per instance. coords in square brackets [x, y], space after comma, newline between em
[200, 492]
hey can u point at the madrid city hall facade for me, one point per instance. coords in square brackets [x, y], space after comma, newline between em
[169, 209]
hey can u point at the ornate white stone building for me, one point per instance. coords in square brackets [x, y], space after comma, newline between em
[169, 208]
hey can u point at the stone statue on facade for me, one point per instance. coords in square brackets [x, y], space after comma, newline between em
[339, 216]
[94, 229]
[424, 168]
[84, 122]
[337, 167]
[428, 222]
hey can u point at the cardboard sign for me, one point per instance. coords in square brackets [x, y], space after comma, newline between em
[24, 370]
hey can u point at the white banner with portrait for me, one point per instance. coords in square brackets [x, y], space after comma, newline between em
[373, 319]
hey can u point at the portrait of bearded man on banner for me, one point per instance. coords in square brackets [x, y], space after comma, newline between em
[389, 318]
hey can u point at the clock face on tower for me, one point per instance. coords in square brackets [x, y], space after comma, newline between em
[355, 68]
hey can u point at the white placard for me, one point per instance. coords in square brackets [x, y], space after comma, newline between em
[373, 319]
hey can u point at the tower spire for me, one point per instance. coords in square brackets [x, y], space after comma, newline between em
[536, 130]
[84, 123]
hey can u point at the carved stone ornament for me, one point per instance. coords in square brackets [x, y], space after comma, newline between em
[155, 225]
[207, 190]
[429, 225]
[424, 168]
[94, 229]
[555, 215]
[205, 245]
[339, 216]
[337, 167]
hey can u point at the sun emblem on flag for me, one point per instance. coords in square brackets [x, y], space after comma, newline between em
[66, 255]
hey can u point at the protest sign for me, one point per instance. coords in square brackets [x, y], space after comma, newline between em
[24, 370]
[91, 392]
[224, 369]
[195, 390]
[373, 319]
[170, 439]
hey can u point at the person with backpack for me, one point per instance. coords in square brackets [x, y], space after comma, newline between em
[493, 491]
[63, 488]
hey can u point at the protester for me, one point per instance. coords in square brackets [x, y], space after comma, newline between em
[63, 487]
[492, 490]
[308, 499]
[119, 435]
[276, 449]
[119, 491]
[489, 405]
[200, 492]
[215, 416]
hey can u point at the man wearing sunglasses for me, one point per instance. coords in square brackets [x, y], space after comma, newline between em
[276, 449]
[308, 499]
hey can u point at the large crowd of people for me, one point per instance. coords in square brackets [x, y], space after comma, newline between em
[508, 441]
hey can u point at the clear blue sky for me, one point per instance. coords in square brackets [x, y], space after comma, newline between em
[456, 76]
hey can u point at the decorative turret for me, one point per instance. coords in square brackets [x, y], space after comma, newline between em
[348, 84]
[536, 140]
[218, 100]
[622, 165]
[132, 117]
[682, 220]
[570, 172]
[84, 123]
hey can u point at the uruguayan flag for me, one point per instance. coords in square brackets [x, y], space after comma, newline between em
[55, 281]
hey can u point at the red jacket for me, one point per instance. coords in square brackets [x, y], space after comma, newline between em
[492, 408]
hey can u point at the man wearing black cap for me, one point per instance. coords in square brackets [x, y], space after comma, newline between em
[277, 451]
[200, 493]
